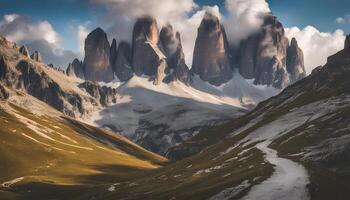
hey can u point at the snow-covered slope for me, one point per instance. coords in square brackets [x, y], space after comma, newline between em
[161, 116]
[243, 90]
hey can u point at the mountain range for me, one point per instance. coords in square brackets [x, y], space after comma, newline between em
[134, 121]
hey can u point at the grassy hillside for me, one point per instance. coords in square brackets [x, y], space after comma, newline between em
[46, 154]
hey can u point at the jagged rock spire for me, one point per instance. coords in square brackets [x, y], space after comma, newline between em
[295, 61]
[97, 65]
[211, 60]
[171, 43]
[24, 50]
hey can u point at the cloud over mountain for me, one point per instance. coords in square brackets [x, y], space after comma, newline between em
[39, 36]
[317, 45]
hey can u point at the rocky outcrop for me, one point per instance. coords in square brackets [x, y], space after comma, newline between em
[4, 94]
[272, 55]
[30, 78]
[122, 65]
[211, 60]
[105, 95]
[342, 57]
[97, 57]
[172, 48]
[295, 62]
[146, 55]
[263, 56]
[36, 56]
[24, 50]
[76, 69]
[70, 70]
[347, 42]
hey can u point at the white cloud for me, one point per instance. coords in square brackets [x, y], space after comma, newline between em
[82, 33]
[245, 18]
[316, 45]
[343, 20]
[184, 15]
[38, 36]
[21, 29]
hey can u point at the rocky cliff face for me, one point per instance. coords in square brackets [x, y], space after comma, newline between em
[24, 50]
[342, 57]
[272, 55]
[105, 95]
[76, 68]
[211, 59]
[122, 65]
[172, 48]
[146, 55]
[295, 62]
[36, 56]
[30, 78]
[50, 85]
[347, 42]
[70, 70]
[247, 55]
[97, 57]
[113, 53]
[267, 57]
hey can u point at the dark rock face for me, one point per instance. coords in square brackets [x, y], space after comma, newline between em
[272, 55]
[97, 57]
[146, 54]
[70, 70]
[172, 48]
[24, 50]
[247, 56]
[113, 53]
[36, 56]
[267, 57]
[105, 95]
[347, 42]
[342, 57]
[122, 65]
[34, 81]
[211, 60]
[76, 69]
[295, 62]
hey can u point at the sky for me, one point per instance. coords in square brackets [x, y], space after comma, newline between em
[58, 27]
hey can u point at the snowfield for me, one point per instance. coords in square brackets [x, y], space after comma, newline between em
[140, 99]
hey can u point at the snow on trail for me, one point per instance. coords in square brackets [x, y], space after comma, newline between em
[288, 182]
